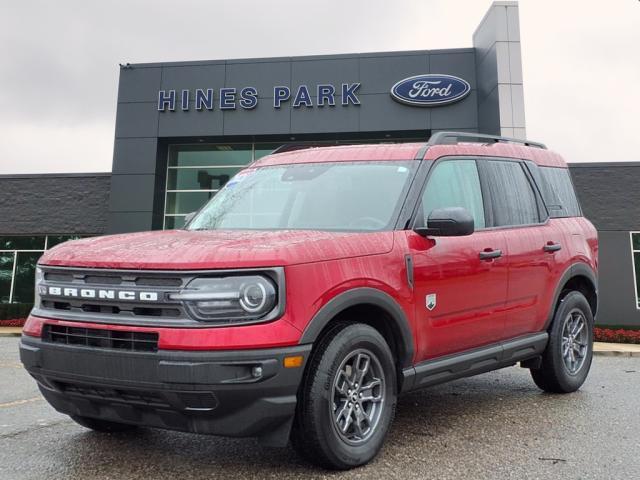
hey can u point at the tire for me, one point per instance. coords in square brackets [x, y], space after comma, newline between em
[328, 383]
[558, 373]
[104, 426]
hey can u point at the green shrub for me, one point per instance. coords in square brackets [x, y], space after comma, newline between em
[9, 311]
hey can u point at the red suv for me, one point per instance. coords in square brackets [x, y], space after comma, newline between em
[317, 286]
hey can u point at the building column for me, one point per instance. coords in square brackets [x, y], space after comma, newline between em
[499, 71]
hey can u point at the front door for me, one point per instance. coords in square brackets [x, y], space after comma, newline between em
[460, 283]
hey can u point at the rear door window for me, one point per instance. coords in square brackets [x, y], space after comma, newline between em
[512, 198]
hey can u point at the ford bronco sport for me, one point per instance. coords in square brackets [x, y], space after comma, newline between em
[317, 286]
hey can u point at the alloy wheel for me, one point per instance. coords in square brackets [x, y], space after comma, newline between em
[358, 396]
[575, 338]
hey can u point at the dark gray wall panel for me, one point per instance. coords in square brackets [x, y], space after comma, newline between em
[137, 120]
[65, 204]
[191, 123]
[123, 222]
[335, 71]
[609, 195]
[200, 76]
[462, 114]
[132, 193]
[139, 84]
[263, 120]
[381, 112]
[459, 64]
[379, 74]
[616, 287]
[134, 155]
[325, 119]
[487, 71]
[489, 114]
[263, 76]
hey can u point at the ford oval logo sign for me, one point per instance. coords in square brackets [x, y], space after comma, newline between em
[430, 90]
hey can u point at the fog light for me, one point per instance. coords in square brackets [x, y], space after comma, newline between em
[256, 372]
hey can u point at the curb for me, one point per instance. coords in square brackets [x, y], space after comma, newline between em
[616, 353]
[10, 331]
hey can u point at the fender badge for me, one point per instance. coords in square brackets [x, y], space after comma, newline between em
[430, 301]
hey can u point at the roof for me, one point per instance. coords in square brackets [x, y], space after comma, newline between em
[345, 153]
[539, 156]
[410, 151]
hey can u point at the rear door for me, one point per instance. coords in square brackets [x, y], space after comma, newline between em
[460, 283]
[534, 243]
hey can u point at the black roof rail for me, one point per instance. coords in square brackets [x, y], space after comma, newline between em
[449, 138]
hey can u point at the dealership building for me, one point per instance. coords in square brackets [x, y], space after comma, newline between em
[183, 129]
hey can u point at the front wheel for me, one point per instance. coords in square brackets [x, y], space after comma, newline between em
[348, 398]
[567, 358]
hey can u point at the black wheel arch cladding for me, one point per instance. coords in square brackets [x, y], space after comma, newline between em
[575, 274]
[398, 324]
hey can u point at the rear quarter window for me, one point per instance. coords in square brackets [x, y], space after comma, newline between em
[558, 193]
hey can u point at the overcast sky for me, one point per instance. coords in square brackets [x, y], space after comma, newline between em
[59, 63]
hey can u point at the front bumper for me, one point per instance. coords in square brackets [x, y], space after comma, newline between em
[212, 392]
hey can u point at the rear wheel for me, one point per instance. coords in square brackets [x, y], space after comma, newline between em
[567, 358]
[102, 425]
[348, 398]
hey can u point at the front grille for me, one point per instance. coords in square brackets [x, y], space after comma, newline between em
[123, 309]
[107, 307]
[99, 338]
[120, 395]
[110, 279]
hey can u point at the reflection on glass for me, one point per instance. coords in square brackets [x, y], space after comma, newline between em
[22, 243]
[171, 223]
[6, 271]
[53, 240]
[263, 149]
[25, 276]
[186, 202]
[199, 178]
[208, 155]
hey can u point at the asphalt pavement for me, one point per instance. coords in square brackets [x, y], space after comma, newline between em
[493, 426]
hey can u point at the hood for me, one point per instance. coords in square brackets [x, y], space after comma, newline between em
[193, 250]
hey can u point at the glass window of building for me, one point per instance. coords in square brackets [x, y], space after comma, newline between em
[195, 173]
[18, 258]
[635, 253]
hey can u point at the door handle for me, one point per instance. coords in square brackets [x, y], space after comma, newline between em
[490, 254]
[552, 247]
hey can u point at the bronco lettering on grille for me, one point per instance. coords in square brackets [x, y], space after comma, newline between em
[102, 294]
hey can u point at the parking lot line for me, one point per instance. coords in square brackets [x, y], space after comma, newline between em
[20, 402]
[10, 365]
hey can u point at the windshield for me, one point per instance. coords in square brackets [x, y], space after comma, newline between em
[347, 196]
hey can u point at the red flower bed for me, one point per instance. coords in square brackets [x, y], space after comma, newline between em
[616, 336]
[14, 322]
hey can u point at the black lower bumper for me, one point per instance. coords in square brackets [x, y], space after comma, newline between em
[231, 393]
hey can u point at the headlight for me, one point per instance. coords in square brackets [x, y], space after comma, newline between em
[36, 293]
[234, 298]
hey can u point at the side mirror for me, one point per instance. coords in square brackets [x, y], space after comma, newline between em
[447, 222]
[188, 217]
